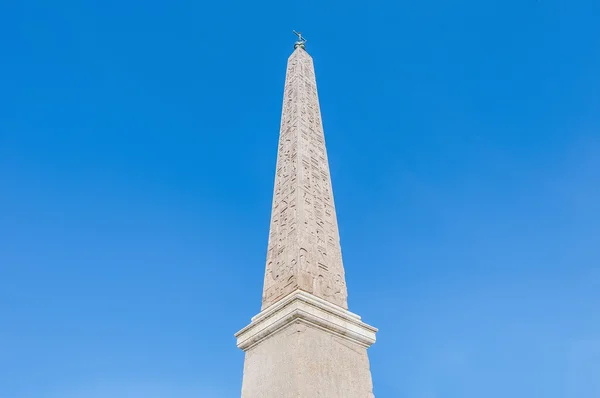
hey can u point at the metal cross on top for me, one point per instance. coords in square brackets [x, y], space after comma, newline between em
[301, 40]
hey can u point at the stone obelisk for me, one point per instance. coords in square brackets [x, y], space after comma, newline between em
[304, 343]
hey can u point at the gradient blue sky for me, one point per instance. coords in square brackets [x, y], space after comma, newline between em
[137, 156]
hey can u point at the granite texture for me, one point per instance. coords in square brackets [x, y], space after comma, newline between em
[304, 343]
[304, 245]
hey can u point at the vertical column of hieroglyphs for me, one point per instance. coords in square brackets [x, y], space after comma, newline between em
[304, 248]
[280, 273]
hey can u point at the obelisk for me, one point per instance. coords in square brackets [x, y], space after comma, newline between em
[304, 343]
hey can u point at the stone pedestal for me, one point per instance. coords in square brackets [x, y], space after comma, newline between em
[305, 347]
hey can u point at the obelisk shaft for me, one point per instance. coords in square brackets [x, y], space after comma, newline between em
[304, 343]
[304, 249]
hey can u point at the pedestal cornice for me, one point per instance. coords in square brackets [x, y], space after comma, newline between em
[303, 307]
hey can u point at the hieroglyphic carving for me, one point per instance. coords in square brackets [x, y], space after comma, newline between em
[304, 246]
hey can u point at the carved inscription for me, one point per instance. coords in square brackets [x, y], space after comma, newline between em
[304, 246]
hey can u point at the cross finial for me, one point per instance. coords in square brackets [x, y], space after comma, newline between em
[301, 40]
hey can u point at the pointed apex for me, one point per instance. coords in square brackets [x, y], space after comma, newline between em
[300, 42]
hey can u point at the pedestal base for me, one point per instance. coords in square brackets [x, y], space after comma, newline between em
[305, 347]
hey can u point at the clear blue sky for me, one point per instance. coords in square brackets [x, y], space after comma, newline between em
[137, 156]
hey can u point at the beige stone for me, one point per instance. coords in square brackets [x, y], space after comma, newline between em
[304, 245]
[304, 346]
[304, 343]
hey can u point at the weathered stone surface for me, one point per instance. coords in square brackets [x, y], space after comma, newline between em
[304, 343]
[304, 244]
[304, 346]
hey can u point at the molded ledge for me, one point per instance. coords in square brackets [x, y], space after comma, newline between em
[302, 307]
